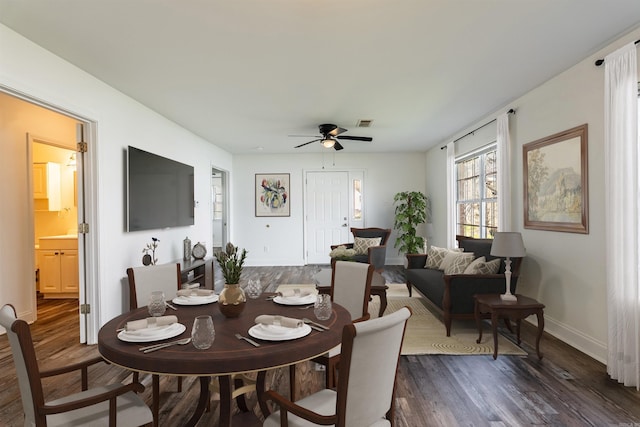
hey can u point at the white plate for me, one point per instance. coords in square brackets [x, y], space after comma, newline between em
[195, 300]
[152, 334]
[305, 300]
[278, 333]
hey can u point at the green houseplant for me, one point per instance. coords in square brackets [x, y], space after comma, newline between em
[232, 298]
[411, 210]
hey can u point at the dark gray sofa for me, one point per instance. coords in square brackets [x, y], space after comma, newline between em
[452, 295]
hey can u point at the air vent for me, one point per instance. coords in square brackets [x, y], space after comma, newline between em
[364, 123]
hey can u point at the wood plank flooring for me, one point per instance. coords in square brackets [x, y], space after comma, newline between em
[566, 388]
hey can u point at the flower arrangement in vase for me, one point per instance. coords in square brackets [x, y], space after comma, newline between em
[150, 259]
[232, 298]
[342, 253]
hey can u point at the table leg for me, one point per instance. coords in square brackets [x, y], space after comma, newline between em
[494, 329]
[155, 399]
[260, 391]
[383, 302]
[540, 316]
[225, 400]
[478, 322]
[202, 402]
[518, 321]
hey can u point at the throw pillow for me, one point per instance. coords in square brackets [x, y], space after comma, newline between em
[436, 255]
[456, 262]
[362, 244]
[483, 267]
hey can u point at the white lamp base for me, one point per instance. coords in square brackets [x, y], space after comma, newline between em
[508, 297]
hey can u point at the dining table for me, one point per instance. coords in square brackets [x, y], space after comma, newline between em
[228, 355]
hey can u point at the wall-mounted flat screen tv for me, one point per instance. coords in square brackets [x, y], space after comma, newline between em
[159, 192]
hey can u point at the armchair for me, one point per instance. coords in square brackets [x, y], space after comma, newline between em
[374, 255]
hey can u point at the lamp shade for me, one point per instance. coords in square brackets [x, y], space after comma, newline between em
[508, 244]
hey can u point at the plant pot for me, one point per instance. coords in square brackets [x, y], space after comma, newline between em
[232, 300]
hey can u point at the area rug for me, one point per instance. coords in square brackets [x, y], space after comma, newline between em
[426, 333]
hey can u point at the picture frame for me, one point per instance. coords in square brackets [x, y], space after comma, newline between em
[272, 195]
[555, 169]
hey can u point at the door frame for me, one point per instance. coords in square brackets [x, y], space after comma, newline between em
[352, 175]
[225, 208]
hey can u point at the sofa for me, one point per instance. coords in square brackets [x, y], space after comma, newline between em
[451, 295]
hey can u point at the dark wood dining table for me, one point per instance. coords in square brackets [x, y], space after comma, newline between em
[228, 355]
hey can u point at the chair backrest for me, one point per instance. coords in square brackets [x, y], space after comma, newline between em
[383, 233]
[144, 280]
[351, 286]
[368, 368]
[24, 358]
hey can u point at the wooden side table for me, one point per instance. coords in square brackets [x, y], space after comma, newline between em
[510, 310]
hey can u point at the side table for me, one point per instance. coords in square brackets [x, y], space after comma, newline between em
[511, 310]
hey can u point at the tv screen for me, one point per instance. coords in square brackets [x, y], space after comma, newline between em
[159, 192]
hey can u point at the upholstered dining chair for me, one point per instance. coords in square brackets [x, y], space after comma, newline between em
[100, 406]
[351, 288]
[365, 392]
[143, 281]
[370, 245]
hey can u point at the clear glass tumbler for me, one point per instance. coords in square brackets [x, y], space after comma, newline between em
[254, 289]
[322, 307]
[157, 305]
[203, 332]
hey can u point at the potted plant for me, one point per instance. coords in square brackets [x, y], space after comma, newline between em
[411, 210]
[232, 298]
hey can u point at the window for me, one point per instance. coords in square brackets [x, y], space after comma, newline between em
[477, 194]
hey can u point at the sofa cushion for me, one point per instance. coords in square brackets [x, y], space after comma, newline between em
[436, 255]
[362, 244]
[482, 266]
[456, 262]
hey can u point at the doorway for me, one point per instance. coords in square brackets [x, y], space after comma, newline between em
[219, 203]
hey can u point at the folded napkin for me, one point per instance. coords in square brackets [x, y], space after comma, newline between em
[288, 293]
[287, 322]
[150, 322]
[195, 292]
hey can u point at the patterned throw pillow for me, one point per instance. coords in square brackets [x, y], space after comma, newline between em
[481, 266]
[362, 244]
[456, 262]
[436, 255]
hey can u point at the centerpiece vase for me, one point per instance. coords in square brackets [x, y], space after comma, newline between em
[232, 300]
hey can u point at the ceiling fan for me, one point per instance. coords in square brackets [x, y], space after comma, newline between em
[330, 134]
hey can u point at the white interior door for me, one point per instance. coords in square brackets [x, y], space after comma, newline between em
[327, 213]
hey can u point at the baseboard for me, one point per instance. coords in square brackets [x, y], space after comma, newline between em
[576, 339]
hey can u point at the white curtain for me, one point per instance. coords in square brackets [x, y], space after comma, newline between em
[622, 215]
[451, 195]
[504, 172]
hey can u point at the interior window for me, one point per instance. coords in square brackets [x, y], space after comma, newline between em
[476, 194]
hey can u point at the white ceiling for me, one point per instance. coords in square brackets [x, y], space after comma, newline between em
[245, 74]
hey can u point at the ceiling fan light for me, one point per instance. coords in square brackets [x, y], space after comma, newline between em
[328, 142]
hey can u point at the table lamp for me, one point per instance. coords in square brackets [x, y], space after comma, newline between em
[508, 244]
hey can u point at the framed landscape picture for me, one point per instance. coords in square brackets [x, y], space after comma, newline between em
[555, 182]
[272, 194]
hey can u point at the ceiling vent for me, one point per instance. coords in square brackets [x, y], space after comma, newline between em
[364, 123]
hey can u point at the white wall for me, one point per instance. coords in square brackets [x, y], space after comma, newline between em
[565, 271]
[384, 175]
[120, 121]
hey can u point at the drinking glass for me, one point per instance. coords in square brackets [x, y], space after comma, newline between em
[157, 305]
[203, 332]
[254, 288]
[322, 307]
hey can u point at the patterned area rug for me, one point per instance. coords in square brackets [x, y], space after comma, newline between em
[426, 332]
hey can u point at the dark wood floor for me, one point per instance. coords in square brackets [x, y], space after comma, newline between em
[566, 388]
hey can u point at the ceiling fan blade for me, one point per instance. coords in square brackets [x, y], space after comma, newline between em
[305, 136]
[337, 146]
[356, 138]
[337, 131]
[307, 143]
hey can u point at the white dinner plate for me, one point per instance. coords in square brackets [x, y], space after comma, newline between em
[278, 333]
[152, 334]
[195, 299]
[305, 300]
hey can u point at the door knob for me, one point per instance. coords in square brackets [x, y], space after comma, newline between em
[344, 225]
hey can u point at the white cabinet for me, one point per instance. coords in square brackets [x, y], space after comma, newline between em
[58, 263]
[46, 186]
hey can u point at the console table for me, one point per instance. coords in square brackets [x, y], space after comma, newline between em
[197, 271]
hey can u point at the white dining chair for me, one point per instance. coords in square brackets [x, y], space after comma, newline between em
[99, 406]
[365, 391]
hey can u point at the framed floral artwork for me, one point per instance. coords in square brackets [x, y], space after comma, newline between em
[272, 194]
[555, 182]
